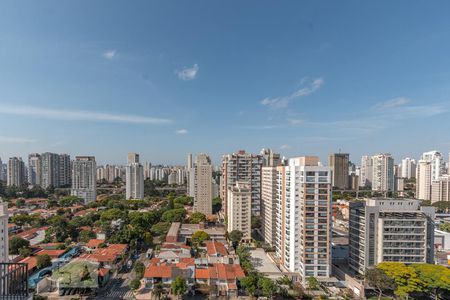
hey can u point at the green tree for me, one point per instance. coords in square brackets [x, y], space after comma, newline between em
[160, 228]
[134, 284]
[435, 278]
[43, 261]
[378, 279]
[250, 283]
[267, 287]
[199, 237]
[216, 205]
[158, 290]
[25, 251]
[235, 237]
[256, 222]
[16, 243]
[174, 215]
[139, 268]
[445, 226]
[313, 283]
[179, 286]
[67, 201]
[86, 235]
[197, 217]
[406, 279]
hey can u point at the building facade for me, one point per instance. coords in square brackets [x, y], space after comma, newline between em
[339, 163]
[440, 189]
[242, 167]
[383, 173]
[134, 177]
[389, 230]
[239, 199]
[269, 204]
[34, 169]
[408, 168]
[303, 229]
[202, 176]
[4, 239]
[366, 172]
[84, 178]
[423, 180]
[16, 175]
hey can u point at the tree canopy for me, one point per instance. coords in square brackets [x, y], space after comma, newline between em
[197, 217]
[406, 279]
[16, 243]
[199, 237]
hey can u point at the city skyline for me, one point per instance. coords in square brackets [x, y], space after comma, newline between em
[301, 79]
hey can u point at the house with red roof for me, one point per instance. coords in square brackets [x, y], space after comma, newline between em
[216, 252]
[223, 276]
[160, 271]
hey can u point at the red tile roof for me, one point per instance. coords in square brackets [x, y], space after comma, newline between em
[94, 243]
[214, 248]
[220, 271]
[52, 253]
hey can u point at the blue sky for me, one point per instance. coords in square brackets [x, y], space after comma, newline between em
[164, 78]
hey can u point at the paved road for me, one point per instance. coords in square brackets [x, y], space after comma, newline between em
[116, 289]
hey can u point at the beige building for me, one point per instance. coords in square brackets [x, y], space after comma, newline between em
[268, 204]
[423, 180]
[134, 177]
[84, 178]
[383, 173]
[303, 220]
[202, 177]
[339, 163]
[16, 172]
[239, 202]
[4, 246]
[440, 189]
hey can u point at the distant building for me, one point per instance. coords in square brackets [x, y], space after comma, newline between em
[437, 163]
[440, 189]
[55, 170]
[202, 176]
[134, 177]
[386, 230]
[34, 169]
[4, 247]
[239, 202]
[423, 180]
[269, 204]
[408, 168]
[270, 158]
[382, 172]
[366, 172]
[339, 163]
[242, 167]
[16, 172]
[84, 180]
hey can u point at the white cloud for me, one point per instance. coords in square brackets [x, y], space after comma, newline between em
[78, 115]
[109, 54]
[285, 147]
[182, 131]
[296, 121]
[392, 103]
[15, 140]
[307, 88]
[188, 73]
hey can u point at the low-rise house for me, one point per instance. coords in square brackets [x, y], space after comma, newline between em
[110, 257]
[223, 276]
[93, 244]
[216, 252]
[160, 271]
[52, 253]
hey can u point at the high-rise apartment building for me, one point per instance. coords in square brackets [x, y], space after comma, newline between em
[440, 189]
[366, 172]
[134, 177]
[408, 168]
[202, 177]
[190, 176]
[3, 171]
[239, 199]
[437, 163]
[423, 180]
[303, 222]
[270, 158]
[242, 167]
[390, 230]
[339, 163]
[65, 171]
[55, 170]
[84, 179]
[34, 169]
[383, 173]
[269, 204]
[4, 239]
[16, 172]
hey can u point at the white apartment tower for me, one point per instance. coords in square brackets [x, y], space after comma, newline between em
[84, 181]
[303, 222]
[437, 163]
[16, 172]
[34, 169]
[268, 204]
[423, 180]
[390, 230]
[408, 168]
[242, 167]
[4, 246]
[365, 172]
[202, 177]
[239, 202]
[440, 189]
[134, 178]
[382, 173]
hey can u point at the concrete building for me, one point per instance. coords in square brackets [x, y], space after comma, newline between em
[84, 179]
[16, 172]
[408, 168]
[366, 172]
[3, 171]
[4, 239]
[65, 171]
[242, 167]
[202, 176]
[134, 177]
[34, 169]
[303, 221]
[387, 230]
[270, 158]
[440, 189]
[190, 176]
[55, 170]
[269, 204]
[239, 199]
[339, 164]
[423, 180]
[382, 173]
[437, 163]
